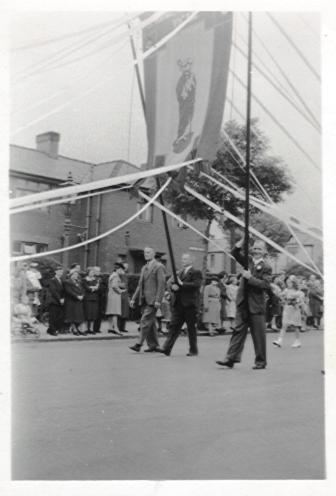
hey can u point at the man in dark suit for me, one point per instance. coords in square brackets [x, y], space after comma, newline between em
[55, 303]
[185, 303]
[255, 283]
[150, 291]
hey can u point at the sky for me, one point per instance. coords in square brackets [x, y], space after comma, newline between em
[94, 102]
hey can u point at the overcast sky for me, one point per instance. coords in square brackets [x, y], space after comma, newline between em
[104, 120]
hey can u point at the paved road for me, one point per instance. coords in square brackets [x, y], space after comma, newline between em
[95, 410]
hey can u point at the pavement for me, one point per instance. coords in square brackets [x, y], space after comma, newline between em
[131, 332]
[95, 410]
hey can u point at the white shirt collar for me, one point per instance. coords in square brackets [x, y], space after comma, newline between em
[185, 270]
[257, 261]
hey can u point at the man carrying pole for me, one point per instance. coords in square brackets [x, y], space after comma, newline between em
[256, 278]
[251, 306]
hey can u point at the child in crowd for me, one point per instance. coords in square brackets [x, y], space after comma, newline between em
[166, 311]
[22, 318]
[293, 302]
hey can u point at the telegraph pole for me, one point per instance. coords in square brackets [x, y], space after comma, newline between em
[248, 145]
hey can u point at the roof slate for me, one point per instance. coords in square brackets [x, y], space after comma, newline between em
[34, 162]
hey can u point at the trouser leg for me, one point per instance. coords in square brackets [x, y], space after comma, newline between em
[146, 325]
[258, 333]
[190, 318]
[152, 336]
[53, 318]
[176, 323]
[238, 338]
[60, 319]
[97, 324]
[121, 323]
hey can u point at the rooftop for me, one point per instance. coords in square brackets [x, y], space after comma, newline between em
[39, 163]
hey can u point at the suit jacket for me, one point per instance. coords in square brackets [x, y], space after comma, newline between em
[257, 286]
[55, 291]
[151, 286]
[188, 294]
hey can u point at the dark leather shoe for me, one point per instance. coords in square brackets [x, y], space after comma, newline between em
[225, 363]
[150, 350]
[258, 367]
[161, 350]
[191, 354]
[135, 347]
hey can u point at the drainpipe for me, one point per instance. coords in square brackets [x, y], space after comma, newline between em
[87, 230]
[98, 222]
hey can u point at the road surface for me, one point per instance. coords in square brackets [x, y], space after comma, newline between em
[95, 410]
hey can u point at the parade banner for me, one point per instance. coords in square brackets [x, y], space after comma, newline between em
[185, 79]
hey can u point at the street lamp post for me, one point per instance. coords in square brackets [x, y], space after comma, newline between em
[67, 221]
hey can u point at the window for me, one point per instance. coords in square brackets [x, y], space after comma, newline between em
[293, 248]
[28, 247]
[138, 261]
[212, 260]
[25, 191]
[147, 215]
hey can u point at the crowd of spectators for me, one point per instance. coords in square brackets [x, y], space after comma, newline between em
[76, 302]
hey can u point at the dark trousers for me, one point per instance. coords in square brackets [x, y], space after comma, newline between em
[97, 324]
[257, 326]
[180, 315]
[148, 329]
[56, 316]
[121, 323]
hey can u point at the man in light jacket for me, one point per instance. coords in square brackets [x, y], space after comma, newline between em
[150, 291]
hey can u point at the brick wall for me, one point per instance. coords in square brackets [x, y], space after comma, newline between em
[47, 226]
[117, 207]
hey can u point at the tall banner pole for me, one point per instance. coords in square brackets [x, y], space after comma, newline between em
[248, 137]
[158, 183]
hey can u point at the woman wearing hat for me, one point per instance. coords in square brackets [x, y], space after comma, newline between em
[73, 305]
[212, 306]
[91, 299]
[115, 290]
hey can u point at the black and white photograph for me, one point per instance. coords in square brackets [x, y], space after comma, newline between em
[166, 233]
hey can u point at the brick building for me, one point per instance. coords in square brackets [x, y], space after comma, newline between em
[48, 228]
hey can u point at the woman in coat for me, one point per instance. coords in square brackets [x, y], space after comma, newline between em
[73, 305]
[91, 299]
[113, 305]
[212, 306]
[231, 295]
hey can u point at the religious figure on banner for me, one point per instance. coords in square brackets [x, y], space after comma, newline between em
[185, 93]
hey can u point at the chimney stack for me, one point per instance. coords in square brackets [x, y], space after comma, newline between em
[48, 143]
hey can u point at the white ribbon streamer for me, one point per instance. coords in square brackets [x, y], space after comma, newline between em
[271, 202]
[96, 238]
[62, 200]
[166, 38]
[269, 209]
[251, 229]
[69, 191]
[169, 212]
